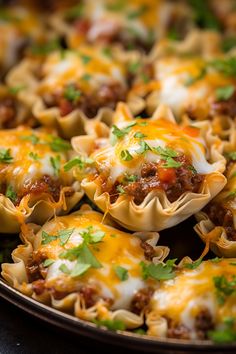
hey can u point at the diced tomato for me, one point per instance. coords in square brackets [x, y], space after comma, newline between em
[65, 107]
[167, 175]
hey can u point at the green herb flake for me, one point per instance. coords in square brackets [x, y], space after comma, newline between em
[107, 52]
[46, 238]
[139, 135]
[11, 194]
[116, 6]
[14, 90]
[192, 80]
[204, 16]
[112, 325]
[120, 189]
[231, 156]
[144, 147]
[64, 269]
[42, 49]
[85, 58]
[224, 93]
[158, 271]
[86, 77]
[56, 164]
[227, 334]
[5, 156]
[34, 156]
[48, 262]
[171, 163]
[228, 44]
[125, 155]
[226, 66]
[78, 161]
[134, 67]
[216, 260]
[79, 269]
[224, 287]
[121, 273]
[34, 139]
[64, 235]
[72, 94]
[130, 178]
[59, 145]
[120, 133]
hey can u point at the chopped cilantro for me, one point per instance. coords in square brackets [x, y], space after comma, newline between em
[85, 58]
[118, 5]
[107, 52]
[64, 235]
[224, 287]
[120, 133]
[45, 48]
[121, 273]
[158, 271]
[48, 262]
[34, 156]
[143, 147]
[134, 67]
[112, 325]
[216, 260]
[79, 269]
[130, 178]
[14, 90]
[231, 155]
[193, 265]
[11, 194]
[59, 145]
[56, 164]
[79, 161]
[191, 80]
[120, 189]
[203, 15]
[46, 238]
[64, 269]
[139, 135]
[74, 12]
[226, 66]
[86, 77]
[125, 155]
[5, 156]
[34, 139]
[224, 93]
[226, 334]
[72, 94]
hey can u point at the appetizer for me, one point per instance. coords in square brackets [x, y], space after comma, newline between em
[150, 174]
[33, 184]
[81, 264]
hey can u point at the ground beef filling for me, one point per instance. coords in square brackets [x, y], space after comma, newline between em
[173, 181]
[107, 96]
[8, 113]
[225, 107]
[204, 323]
[141, 300]
[221, 216]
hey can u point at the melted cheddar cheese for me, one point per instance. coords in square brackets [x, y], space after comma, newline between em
[116, 248]
[188, 85]
[155, 133]
[89, 67]
[31, 157]
[191, 291]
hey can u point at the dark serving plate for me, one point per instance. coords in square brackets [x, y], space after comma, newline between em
[131, 341]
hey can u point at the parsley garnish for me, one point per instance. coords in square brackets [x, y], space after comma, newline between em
[34, 139]
[64, 235]
[14, 90]
[139, 135]
[5, 156]
[56, 164]
[224, 287]
[86, 77]
[191, 80]
[59, 145]
[120, 133]
[112, 325]
[11, 194]
[203, 15]
[137, 13]
[167, 154]
[120, 189]
[216, 260]
[121, 273]
[193, 265]
[125, 155]
[48, 262]
[228, 43]
[143, 147]
[34, 156]
[130, 178]
[85, 58]
[134, 66]
[224, 93]
[231, 155]
[72, 94]
[116, 6]
[46, 238]
[74, 12]
[107, 52]
[64, 269]
[226, 66]
[226, 334]
[159, 271]
[79, 161]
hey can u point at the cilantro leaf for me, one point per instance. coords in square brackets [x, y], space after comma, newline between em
[137, 13]
[113, 325]
[79, 161]
[139, 135]
[143, 147]
[79, 269]
[226, 334]
[34, 139]
[56, 164]
[191, 80]
[224, 287]
[11, 194]
[224, 93]
[48, 262]
[64, 269]
[59, 145]
[74, 12]
[64, 235]
[14, 90]
[158, 271]
[120, 133]
[171, 163]
[121, 273]
[226, 66]
[46, 238]
[34, 156]
[72, 94]
[85, 58]
[130, 178]
[5, 156]
[125, 155]
[193, 265]
[120, 189]
[42, 49]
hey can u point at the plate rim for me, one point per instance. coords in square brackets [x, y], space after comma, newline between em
[77, 326]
